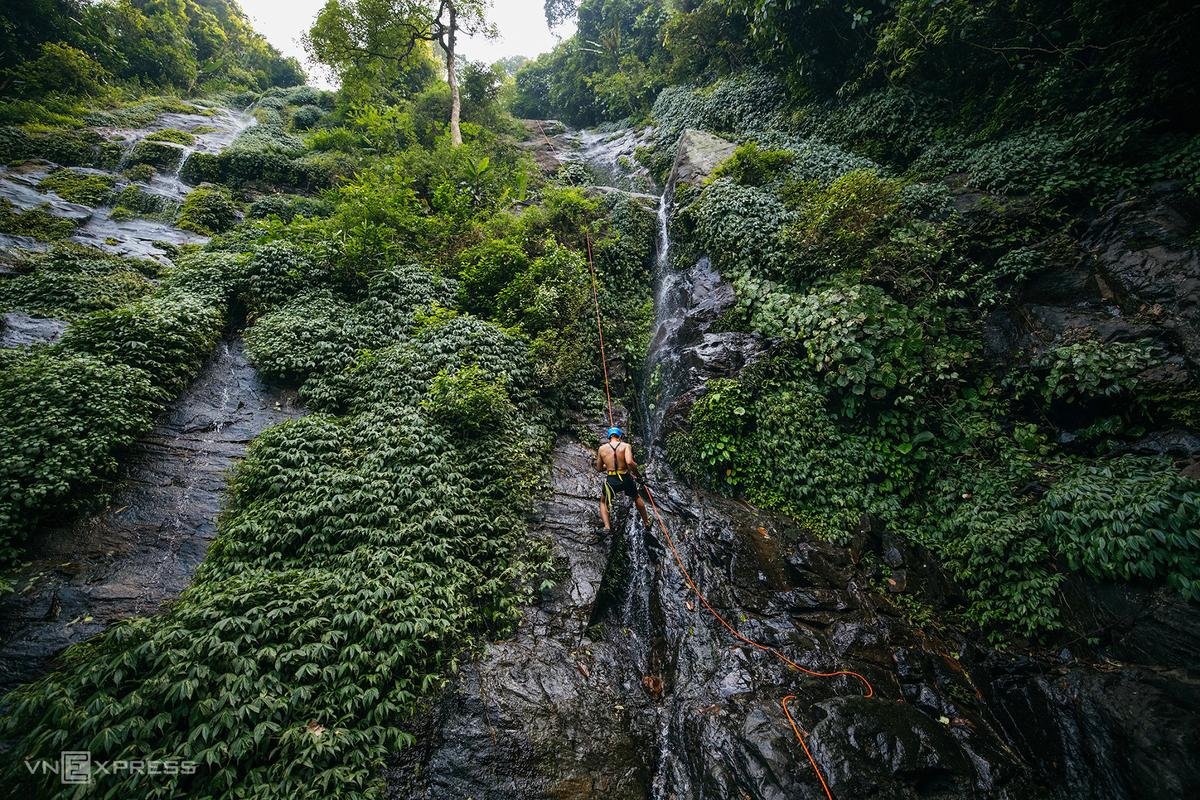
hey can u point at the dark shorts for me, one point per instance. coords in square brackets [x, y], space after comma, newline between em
[618, 484]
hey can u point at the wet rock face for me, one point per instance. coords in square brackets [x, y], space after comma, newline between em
[699, 154]
[619, 684]
[1128, 733]
[557, 710]
[1144, 247]
[18, 329]
[610, 156]
[143, 549]
[1140, 279]
[684, 350]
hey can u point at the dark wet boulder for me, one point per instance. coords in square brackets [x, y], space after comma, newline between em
[1144, 246]
[888, 750]
[1108, 735]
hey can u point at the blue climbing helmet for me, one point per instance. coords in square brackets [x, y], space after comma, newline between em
[615, 431]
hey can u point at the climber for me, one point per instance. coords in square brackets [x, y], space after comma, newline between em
[615, 459]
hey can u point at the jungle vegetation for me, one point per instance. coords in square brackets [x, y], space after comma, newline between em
[426, 290]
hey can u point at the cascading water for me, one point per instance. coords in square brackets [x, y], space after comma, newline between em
[135, 237]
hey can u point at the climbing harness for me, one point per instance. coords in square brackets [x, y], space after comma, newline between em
[801, 734]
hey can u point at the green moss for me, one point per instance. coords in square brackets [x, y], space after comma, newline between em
[86, 188]
[751, 165]
[134, 202]
[65, 146]
[38, 223]
[171, 135]
[161, 155]
[142, 173]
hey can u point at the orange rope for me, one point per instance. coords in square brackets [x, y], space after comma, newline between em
[599, 327]
[801, 736]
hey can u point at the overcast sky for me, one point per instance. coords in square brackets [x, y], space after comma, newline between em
[522, 26]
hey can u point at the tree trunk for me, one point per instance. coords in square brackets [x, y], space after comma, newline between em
[452, 79]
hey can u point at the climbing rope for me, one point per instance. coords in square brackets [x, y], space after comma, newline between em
[801, 734]
[599, 327]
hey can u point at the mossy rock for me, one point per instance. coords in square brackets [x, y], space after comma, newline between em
[163, 155]
[38, 223]
[173, 135]
[134, 202]
[142, 173]
[202, 168]
[86, 188]
[65, 146]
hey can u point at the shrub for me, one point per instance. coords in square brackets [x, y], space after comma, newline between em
[397, 545]
[167, 336]
[68, 281]
[485, 269]
[306, 117]
[318, 334]
[554, 288]
[59, 67]
[87, 188]
[65, 416]
[287, 207]
[202, 168]
[839, 224]
[208, 275]
[775, 443]
[740, 228]
[1129, 518]
[1087, 369]
[276, 272]
[341, 139]
[751, 166]
[469, 402]
[207, 210]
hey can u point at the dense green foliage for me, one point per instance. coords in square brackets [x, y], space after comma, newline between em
[836, 221]
[55, 49]
[68, 281]
[880, 400]
[433, 307]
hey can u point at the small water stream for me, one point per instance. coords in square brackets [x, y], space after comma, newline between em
[134, 237]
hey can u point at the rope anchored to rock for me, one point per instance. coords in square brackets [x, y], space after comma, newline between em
[801, 734]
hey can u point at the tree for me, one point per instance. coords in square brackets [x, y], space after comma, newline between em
[559, 11]
[350, 32]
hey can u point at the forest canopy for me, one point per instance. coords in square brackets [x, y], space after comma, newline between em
[81, 48]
